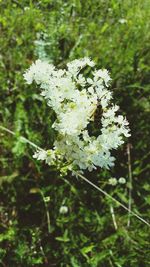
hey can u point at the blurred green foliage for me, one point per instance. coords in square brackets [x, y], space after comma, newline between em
[116, 35]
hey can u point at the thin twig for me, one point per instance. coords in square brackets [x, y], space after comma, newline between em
[111, 254]
[43, 253]
[87, 181]
[47, 212]
[113, 217]
[21, 138]
[48, 221]
[130, 184]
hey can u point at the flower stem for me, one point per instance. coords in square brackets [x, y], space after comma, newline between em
[130, 183]
[21, 137]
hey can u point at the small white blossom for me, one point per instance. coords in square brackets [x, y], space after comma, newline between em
[122, 21]
[103, 74]
[39, 72]
[40, 155]
[113, 181]
[122, 180]
[63, 210]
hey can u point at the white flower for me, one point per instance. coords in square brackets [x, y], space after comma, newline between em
[76, 65]
[113, 181]
[39, 72]
[81, 80]
[40, 155]
[95, 82]
[103, 74]
[75, 99]
[122, 180]
[63, 210]
[122, 21]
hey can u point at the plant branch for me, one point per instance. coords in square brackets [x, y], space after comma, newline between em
[21, 138]
[47, 212]
[130, 183]
[113, 217]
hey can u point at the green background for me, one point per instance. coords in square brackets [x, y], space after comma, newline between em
[116, 35]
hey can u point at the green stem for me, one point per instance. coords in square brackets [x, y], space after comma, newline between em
[130, 183]
[47, 212]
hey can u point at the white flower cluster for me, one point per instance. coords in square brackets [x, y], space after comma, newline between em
[75, 100]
